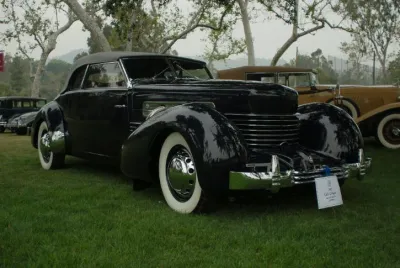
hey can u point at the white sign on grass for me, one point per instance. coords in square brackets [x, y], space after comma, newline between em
[328, 192]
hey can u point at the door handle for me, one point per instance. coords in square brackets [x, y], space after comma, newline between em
[120, 106]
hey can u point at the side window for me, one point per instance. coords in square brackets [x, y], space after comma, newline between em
[17, 104]
[26, 104]
[300, 79]
[282, 80]
[104, 75]
[264, 77]
[76, 78]
[40, 103]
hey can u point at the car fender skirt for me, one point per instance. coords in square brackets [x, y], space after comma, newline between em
[330, 130]
[216, 145]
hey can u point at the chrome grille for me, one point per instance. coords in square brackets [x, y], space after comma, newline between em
[262, 131]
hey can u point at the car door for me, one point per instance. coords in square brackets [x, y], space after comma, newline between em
[106, 119]
[73, 109]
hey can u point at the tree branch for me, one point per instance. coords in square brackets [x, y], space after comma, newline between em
[196, 25]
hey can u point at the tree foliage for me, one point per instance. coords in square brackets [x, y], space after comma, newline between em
[374, 23]
[31, 27]
[394, 69]
[316, 60]
[15, 80]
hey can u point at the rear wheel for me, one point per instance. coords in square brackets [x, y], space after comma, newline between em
[2, 129]
[48, 159]
[388, 131]
[178, 177]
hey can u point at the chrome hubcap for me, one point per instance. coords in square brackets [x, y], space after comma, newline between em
[44, 146]
[181, 173]
[391, 131]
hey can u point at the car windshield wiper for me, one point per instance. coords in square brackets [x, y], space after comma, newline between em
[163, 71]
[183, 70]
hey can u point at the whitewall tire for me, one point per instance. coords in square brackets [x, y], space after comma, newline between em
[48, 159]
[348, 107]
[388, 131]
[178, 177]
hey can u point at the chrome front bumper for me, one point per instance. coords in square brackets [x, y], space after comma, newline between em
[275, 179]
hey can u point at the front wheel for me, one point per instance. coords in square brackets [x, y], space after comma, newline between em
[388, 131]
[2, 129]
[48, 159]
[179, 179]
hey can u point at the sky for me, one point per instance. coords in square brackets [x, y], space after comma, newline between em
[269, 36]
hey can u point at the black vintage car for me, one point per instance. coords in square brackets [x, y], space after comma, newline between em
[164, 119]
[21, 123]
[13, 106]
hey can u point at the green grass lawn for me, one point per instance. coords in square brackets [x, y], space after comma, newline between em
[88, 216]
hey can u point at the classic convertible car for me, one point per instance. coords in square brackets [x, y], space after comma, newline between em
[164, 119]
[376, 109]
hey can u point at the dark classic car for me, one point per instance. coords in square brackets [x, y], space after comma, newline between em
[13, 106]
[21, 123]
[164, 119]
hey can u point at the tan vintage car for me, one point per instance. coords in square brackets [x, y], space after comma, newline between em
[376, 109]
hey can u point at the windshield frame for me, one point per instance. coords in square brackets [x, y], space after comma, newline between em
[170, 67]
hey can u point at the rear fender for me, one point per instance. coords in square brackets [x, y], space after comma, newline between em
[216, 145]
[329, 130]
[53, 115]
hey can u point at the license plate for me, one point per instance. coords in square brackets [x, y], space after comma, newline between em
[328, 192]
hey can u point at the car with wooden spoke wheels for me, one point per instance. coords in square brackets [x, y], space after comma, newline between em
[165, 120]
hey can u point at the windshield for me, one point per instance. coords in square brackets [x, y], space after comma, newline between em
[160, 69]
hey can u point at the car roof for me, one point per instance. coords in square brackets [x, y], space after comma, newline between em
[111, 56]
[20, 98]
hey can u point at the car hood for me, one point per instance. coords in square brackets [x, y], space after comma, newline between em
[227, 95]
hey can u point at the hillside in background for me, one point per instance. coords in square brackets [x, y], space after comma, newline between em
[219, 65]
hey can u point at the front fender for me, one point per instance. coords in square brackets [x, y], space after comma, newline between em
[330, 130]
[53, 115]
[216, 145]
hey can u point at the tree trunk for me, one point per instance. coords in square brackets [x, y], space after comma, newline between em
[50, 46]
[39, 73]
[282, 50]
[247, 32]
[89, 23]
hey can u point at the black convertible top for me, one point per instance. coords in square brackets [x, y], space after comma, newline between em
[116, 55]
